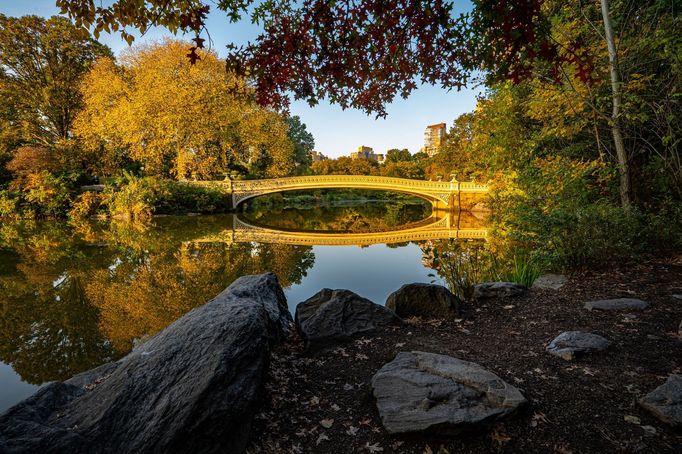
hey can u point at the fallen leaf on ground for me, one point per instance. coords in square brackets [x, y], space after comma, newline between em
[327, 423]
[321, 438]
[632, 419]
[374, 447]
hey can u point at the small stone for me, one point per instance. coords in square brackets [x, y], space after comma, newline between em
[441, 395]
[424, 300]
[569, 344]
[550, 281]
[679, 297]
[498, 290]
[665, 402]
[617, 304]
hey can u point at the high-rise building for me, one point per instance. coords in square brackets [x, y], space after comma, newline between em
[364, 152]
[434, 137]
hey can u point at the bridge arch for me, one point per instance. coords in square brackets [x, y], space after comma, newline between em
[443, 194]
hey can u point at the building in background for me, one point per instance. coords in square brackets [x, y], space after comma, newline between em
[364, 152]
[316, 156]
[434, 137]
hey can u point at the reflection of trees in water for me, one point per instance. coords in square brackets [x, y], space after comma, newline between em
[72, 298]
[143, 295]
[355, 218]
[49, 328]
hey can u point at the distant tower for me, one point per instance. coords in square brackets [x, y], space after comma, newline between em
[434, 137]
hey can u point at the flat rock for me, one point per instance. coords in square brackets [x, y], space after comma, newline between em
[489, 290]
[424, 300]
[193, 387]
[332, 316]
[441, 395]
[550, 281]
[678, 297]
[569, 344]
[617, 304]
[665, 402]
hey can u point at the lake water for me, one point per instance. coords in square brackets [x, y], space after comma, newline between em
[76, 296]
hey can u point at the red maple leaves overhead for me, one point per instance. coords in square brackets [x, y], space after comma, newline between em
[361, 53]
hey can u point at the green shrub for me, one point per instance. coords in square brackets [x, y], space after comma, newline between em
[140, 198]
[525, 269]
[9, 207]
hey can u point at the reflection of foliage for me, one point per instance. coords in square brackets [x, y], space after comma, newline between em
[75, 296]
[143, 293]
[49, 327]
[461, 264]
[345, 211]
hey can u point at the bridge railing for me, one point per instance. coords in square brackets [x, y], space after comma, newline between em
[268, 184]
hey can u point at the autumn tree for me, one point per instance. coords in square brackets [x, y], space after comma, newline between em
[345, 166]
[42, 62]
[178, 119]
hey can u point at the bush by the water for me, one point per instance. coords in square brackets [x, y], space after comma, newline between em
[140, 198]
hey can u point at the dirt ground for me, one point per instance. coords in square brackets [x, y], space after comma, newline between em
[323, 403]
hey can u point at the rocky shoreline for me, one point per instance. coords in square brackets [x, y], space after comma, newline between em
[591, 364]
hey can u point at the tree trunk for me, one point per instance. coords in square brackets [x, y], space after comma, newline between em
[623, 164]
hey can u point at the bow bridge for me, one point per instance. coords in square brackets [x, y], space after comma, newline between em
[440, 225]
[443, 194]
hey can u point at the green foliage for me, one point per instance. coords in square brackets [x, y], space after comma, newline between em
[462, 264]
[42, 62]
[303, 141]
[396, 155]
[525, 269]
[8, 205]
[140, 198]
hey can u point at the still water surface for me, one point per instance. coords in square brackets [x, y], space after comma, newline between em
[76, 296]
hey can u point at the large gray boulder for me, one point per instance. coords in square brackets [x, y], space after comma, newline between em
[193, 387]
[331, 316]
[665, 402]
[617, 304]
[424, 300]
[489, 290]
[441, 395]
[570, 344]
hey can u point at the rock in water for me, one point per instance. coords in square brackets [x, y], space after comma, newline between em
[440, 394]
[331, 316]
[193, 387]
[550, 281]
[617, 304]
[424, 300]
[665, 402]
[499, 290]
[571, 343]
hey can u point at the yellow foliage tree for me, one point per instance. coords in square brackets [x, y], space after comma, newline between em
[177, 119]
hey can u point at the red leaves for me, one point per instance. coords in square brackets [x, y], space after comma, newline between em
[193, 56]
[357, 53]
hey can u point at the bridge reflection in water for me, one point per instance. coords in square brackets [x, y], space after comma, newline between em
[442, 224]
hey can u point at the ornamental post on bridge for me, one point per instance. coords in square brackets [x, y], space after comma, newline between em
[455, 188]
[230, 189]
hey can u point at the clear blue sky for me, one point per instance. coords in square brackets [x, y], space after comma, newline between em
[337, 132]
